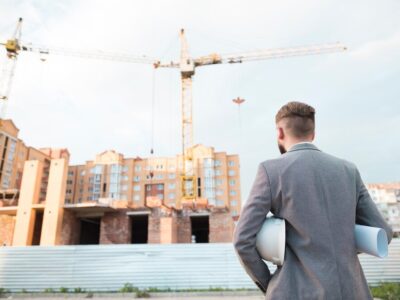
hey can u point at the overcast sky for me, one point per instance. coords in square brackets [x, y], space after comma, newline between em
[89, 106]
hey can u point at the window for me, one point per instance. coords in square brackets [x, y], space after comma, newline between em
[125, 187]
[171, 186]
[159, 176]
[220, 192]
[217, 163]
[96, 188]
[171, 196]
[160, 187]
[234, 213]
[138, 168]
[231, 163]
[231, 173]
[171, 175]
[232, 193]
[220, 202]
[136, 187]
[136, 178]
[218, 172]
[219, 181]
[161, 196]
[97, 169]
[136, 197]
[233, 203]
[148, 187]
[124, 177]
[70, 173]
[83, 172]
[125, 169]
[232, 182]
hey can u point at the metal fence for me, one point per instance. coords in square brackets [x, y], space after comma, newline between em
[175, 266]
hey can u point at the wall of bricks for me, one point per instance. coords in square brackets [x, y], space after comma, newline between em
[184, 231]
[163, 226]
[71, 227]
[7, 224]
[115, 228]
[221, 227]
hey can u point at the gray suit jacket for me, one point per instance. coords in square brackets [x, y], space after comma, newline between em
[321, 197]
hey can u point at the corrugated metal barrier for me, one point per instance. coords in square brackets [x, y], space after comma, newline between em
[175, 266]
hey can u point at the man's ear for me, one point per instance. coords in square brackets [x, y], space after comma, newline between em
[281, 133]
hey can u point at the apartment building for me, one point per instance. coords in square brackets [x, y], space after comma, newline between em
[387, 198]
[113, 199]
[17, 209]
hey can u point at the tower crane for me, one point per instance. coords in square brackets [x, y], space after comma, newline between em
[186, 65]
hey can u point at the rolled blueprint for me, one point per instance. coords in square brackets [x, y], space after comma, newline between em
[371, 240]
[271, 240]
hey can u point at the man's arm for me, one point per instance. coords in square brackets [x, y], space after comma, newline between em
[252, 217]
[366, 212]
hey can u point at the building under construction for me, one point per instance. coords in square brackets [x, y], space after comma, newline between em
[113, 199]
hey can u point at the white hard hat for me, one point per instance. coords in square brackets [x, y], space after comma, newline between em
[271, 240]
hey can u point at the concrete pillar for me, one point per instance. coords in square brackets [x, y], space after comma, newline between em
[55, 196]
[29, 194]
[168, 230]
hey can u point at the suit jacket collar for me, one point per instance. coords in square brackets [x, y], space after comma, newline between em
[303, 146]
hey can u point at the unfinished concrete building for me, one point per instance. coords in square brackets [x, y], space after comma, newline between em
[112, 199]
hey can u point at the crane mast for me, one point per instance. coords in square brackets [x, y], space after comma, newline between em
[7, 74]
[186, 66]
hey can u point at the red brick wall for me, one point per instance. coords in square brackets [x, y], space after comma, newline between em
[184, 228]
[70, 229]
[221, 227]
[154, 229]
[7, 224]
[115, 228]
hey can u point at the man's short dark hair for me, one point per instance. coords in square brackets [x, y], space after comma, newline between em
[299, 117]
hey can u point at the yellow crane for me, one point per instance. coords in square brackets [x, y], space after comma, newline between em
[186, 65]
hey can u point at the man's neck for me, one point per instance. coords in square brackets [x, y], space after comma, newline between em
[299, 142]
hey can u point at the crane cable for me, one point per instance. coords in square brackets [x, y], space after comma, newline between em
[153, 100]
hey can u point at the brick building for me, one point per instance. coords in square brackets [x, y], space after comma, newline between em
[113, 199]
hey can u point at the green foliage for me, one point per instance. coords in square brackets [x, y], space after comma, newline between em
[387, 291]
[142, 294]
[48, 290]
[3, 292]
[63, 290]
[79, 290]
[128, 288]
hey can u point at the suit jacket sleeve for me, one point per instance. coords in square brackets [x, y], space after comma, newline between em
[366, 212]
[252, 217]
